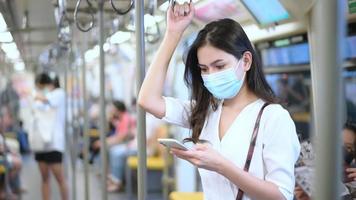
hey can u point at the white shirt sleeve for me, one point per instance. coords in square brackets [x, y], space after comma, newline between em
[177, 112]
[281, 150]
[56, 98]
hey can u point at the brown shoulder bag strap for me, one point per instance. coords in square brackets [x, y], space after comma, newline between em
[252, 147]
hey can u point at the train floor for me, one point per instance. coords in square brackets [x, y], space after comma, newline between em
[31, 183]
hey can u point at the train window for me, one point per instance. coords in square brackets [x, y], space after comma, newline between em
[293, 90]
[267, 11]
[350, 91]
[351, 47]
[289, 55]
[288, 51]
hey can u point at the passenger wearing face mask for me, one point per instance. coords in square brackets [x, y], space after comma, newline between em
[349, 138]
[349, 180]
[47, 136]
[250, 142]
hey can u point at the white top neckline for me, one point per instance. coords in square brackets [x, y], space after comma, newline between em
[228, 130]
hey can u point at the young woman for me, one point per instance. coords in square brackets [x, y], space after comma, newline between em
[50, 157]
[228, 90]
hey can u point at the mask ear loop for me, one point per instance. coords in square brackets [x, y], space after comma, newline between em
[242, 59]
[244, 73]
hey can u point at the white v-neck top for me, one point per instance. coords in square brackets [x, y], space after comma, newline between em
[276, 151]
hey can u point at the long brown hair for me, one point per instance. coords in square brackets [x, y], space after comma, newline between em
[227, 35]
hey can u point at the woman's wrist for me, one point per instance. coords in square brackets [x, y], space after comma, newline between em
[173, 35]
[224, 166]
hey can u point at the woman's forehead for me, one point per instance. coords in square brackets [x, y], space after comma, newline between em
[208, 54]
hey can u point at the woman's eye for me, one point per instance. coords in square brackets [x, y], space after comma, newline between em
[203, 70]
[220, 66]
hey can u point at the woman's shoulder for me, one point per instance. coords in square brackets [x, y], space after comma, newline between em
[276, 110]
[275, 115]
[278, 126]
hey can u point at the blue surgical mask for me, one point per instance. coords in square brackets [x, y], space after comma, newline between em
[45, 91]
[224, 84]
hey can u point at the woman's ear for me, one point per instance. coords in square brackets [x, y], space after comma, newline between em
[247, 60]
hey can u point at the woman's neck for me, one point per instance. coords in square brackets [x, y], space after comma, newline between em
[243, 98]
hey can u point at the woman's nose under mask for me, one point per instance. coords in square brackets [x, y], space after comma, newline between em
[224, 84]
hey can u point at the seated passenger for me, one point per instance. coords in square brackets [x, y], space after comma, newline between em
[120, 145]
[9, 162]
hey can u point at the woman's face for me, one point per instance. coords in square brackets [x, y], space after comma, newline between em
[212, 59]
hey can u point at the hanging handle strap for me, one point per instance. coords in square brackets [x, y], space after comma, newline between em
[251, 149]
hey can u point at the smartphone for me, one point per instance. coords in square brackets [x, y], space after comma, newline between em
[172, 143]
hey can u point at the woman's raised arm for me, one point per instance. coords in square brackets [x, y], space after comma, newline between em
[150, 96]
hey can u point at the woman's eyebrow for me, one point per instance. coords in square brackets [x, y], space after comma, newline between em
[213, 63]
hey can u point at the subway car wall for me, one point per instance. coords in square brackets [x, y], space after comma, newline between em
[286, 62]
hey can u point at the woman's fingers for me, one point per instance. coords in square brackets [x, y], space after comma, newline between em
[181, 10]
[186, 8]
[184, 154]
[352, 175]
[201, 146]
[191, 9]
[351, 170]
[175, 10]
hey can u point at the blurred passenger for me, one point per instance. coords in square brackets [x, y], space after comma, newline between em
[228, 93]
[120, 145]
[349, 138]
[10, 160]
[22, 137]
[349, 146]
[50, 100]
[11, 100]
[294, 94]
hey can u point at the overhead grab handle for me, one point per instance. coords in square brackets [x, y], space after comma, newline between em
[91, 13]
[64, 34]
[122, 12]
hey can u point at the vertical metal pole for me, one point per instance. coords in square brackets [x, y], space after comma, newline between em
[103, 150]
[77, 116]
[85, 124]
[66, 124]
[140, 70]
[73, 141]
[325, 34]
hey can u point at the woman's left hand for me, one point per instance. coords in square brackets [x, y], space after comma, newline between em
[202, 156]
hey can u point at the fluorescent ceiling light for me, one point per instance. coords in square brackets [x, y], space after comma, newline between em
[6, 37]
[9, 47]
[256, 33]
[149, 20]
[120, 37]
[13, 55]
[164, 6]
[106, 46]
[19, 66]
[3, 25]
[91, 54]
